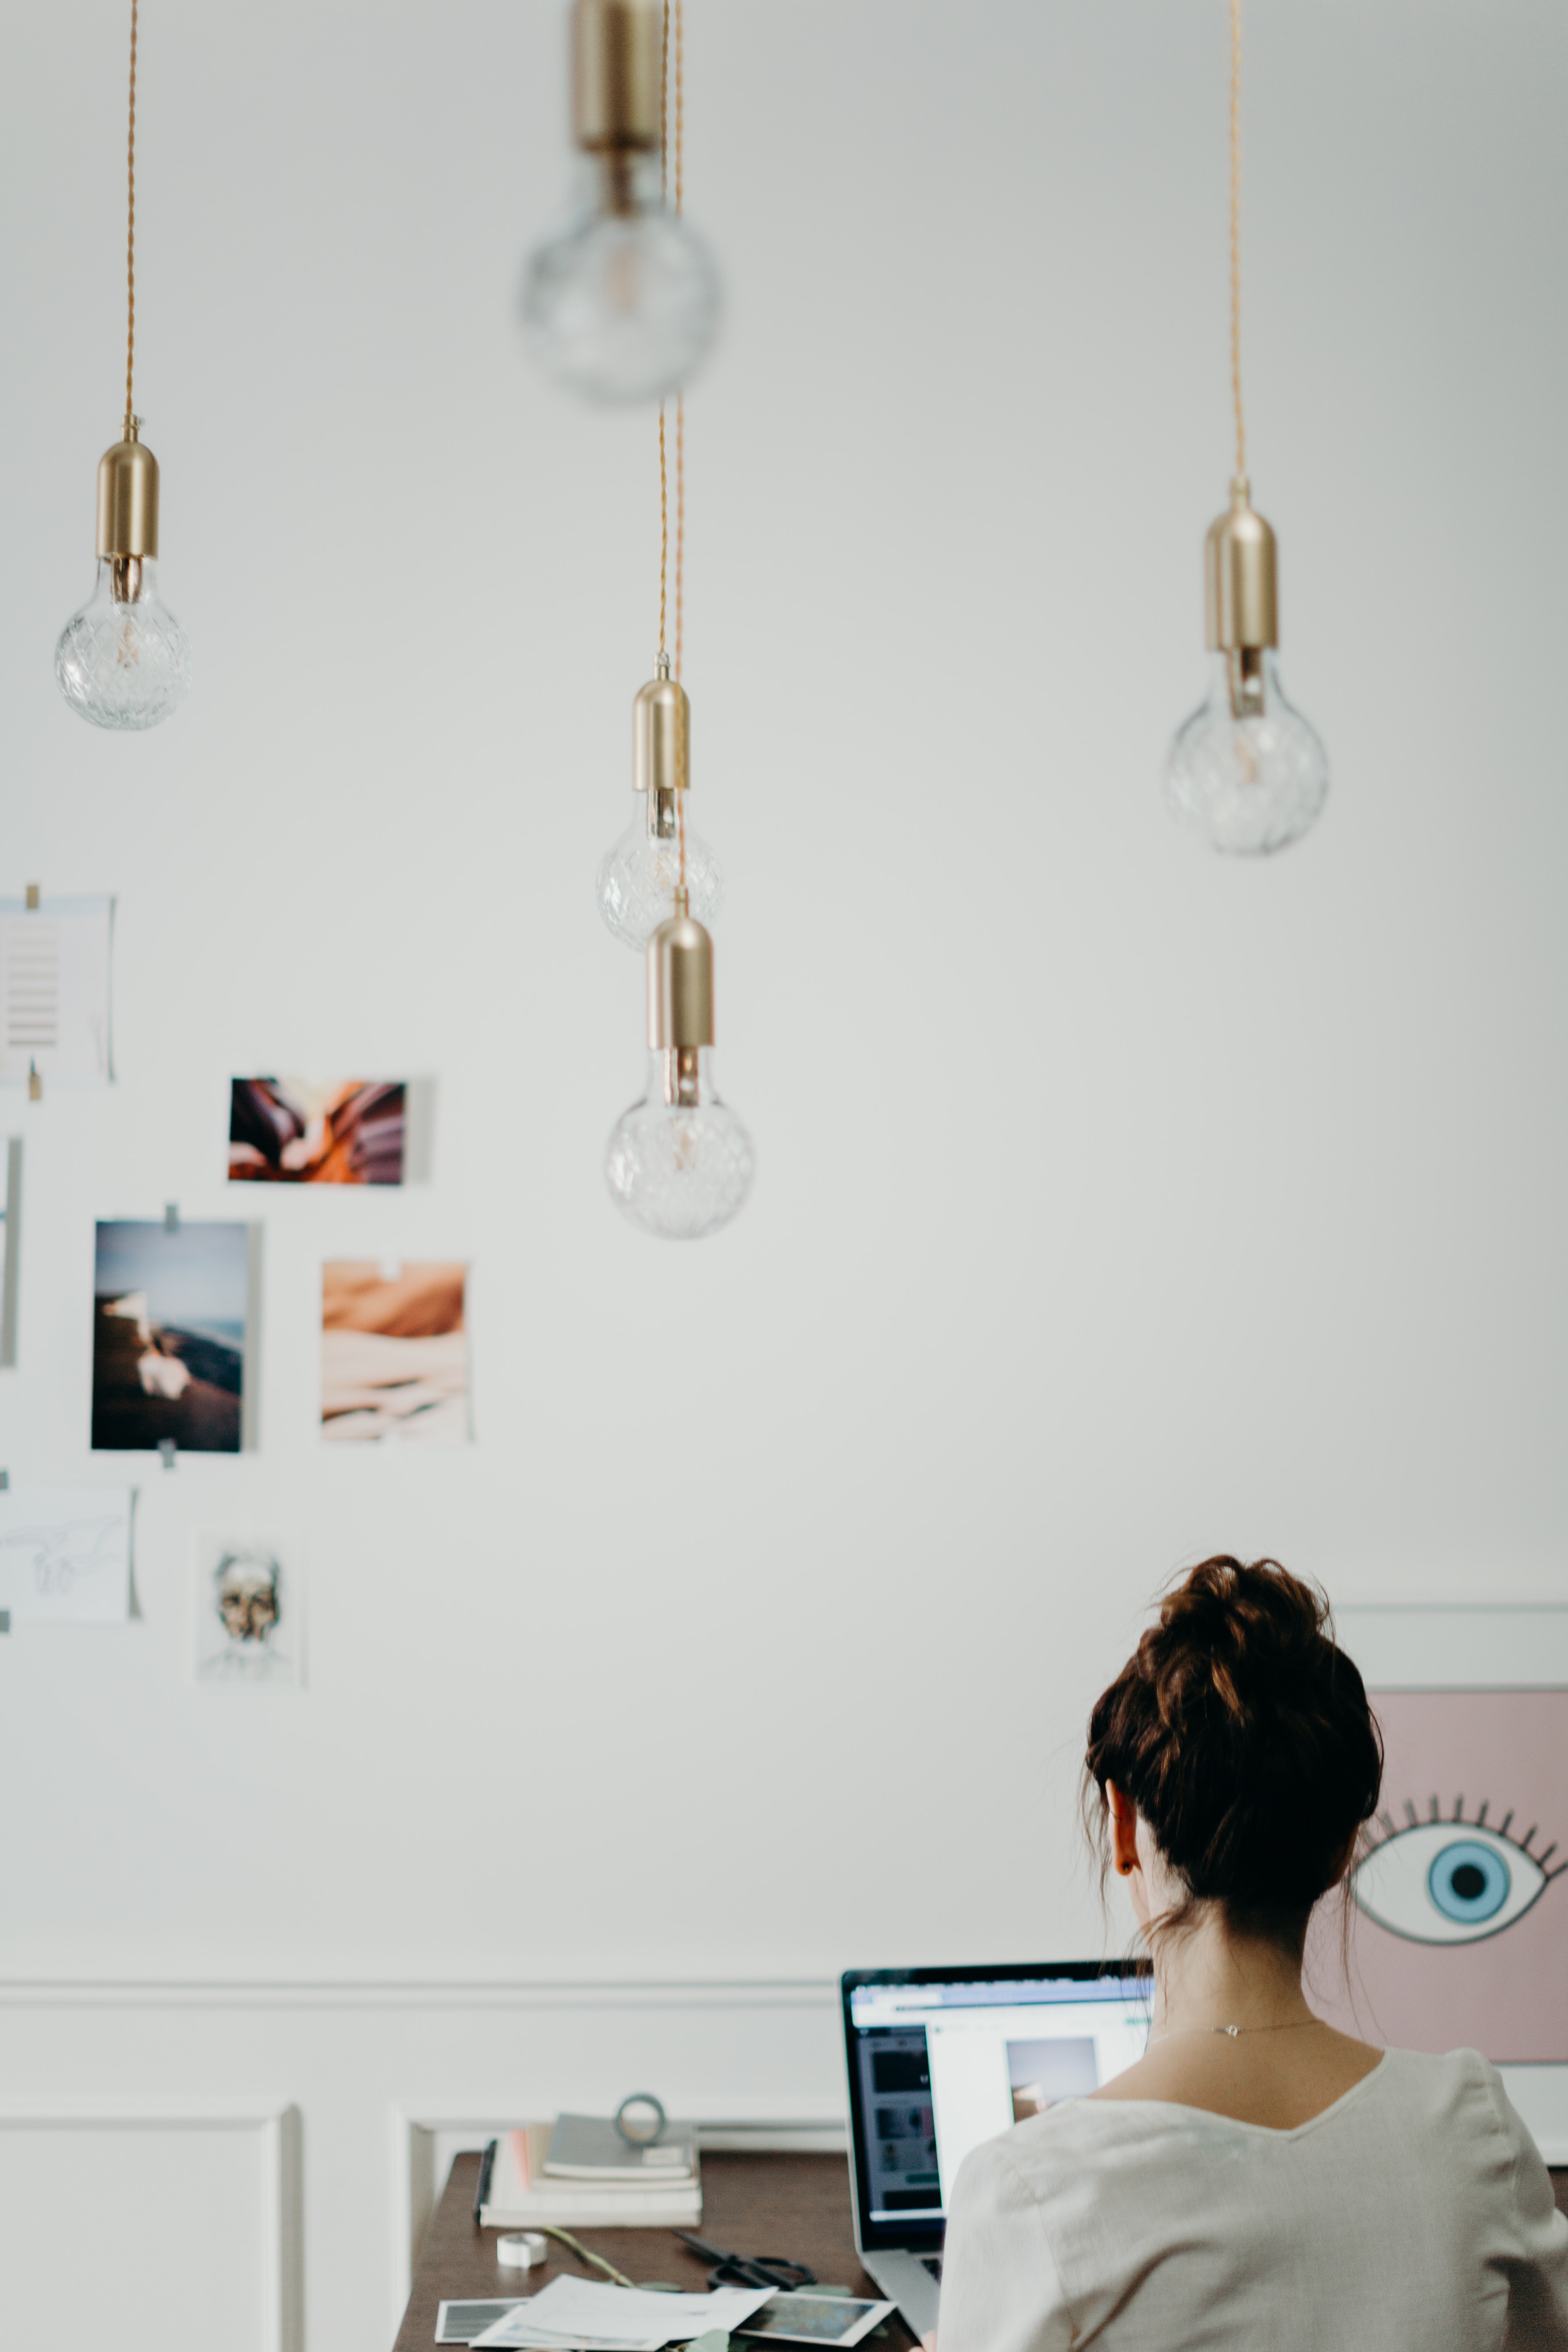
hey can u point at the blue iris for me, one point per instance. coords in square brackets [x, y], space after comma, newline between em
[1468, 1881]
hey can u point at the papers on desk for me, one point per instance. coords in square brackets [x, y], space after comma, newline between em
[580, 2313]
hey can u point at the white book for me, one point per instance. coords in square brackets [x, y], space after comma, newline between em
[520, 2196]
[589, 2147]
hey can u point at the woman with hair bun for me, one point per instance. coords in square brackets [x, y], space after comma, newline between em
[1256, 2181]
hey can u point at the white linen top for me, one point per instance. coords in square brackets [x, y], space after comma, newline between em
[1413, 2215]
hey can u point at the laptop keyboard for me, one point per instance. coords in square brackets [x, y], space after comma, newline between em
[932, 2263]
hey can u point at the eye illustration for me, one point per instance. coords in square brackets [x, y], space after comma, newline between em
[1451, 1882]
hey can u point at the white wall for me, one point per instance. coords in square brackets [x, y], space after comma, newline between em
[1114, 1201]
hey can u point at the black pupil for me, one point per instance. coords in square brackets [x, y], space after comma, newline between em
[1468, 1881]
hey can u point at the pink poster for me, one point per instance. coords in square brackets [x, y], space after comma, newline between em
[1459, 1926]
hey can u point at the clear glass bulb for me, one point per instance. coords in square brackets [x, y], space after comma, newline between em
[680, 1162]
[1246, 772]
[123, 661]
[638, 874]
[624, 304]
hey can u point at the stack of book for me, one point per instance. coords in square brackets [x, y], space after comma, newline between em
[578, 2173]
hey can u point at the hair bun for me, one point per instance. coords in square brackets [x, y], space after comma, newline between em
[1242, 1734]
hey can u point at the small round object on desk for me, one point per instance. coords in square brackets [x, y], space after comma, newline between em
[524, 2250]
[640, 2119]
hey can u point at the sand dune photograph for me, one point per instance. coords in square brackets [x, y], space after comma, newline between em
[394, 1352]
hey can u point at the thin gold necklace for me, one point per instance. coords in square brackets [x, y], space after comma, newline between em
[1293, 2025]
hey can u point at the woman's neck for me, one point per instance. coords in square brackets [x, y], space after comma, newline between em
[1207, 1975]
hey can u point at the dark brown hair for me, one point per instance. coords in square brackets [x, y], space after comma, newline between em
[1242, 1734]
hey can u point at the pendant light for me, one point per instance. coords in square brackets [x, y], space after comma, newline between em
[680, 1162]
[660, 853]
[1246, 771]
[123, 661]
[624, 303]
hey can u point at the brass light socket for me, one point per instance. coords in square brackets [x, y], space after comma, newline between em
[661, 737]
[680, 985]
[1241, 562]
[128, 498]
[616, 53]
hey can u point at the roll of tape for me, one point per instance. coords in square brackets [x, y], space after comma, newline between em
[524, 2251]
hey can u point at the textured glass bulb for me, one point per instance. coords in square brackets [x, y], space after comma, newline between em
[680, 1162]
[624, 304]
[638, 872]
[123, 661]
[1246, 772]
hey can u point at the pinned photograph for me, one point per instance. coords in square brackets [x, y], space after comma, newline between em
[394, 1352]
[298, 1131]
[247, 1596]
[65, 1556]
[169, 1317]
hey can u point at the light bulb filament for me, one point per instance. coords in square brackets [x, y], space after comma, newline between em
[681, 1077]
[1246, 668]
[126, 581]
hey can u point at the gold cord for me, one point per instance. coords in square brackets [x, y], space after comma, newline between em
[662, 536]
[1236, 237]
[131, 231]
[679, 421]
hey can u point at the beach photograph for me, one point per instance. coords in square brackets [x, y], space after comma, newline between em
[168, 1337]
[394, 1352]
[303, 1131]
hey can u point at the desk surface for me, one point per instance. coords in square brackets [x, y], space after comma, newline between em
[798, 2206]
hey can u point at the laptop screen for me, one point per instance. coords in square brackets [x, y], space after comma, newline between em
[940, 2059]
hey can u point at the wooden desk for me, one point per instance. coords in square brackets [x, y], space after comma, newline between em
[798, 2206]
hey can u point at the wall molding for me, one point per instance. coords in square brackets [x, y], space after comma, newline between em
[278, 2133]
[417, 1992]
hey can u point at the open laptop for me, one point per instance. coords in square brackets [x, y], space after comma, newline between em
[940, 2059]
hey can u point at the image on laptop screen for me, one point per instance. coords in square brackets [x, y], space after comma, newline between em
[937, 2067]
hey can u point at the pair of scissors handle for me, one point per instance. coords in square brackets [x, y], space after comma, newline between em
[748, 2269]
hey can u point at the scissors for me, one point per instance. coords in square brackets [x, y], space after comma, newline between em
[748, 2269]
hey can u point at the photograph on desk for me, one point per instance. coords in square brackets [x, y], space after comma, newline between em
[247, 1612]
[305, 1132]
[169, 1311]
[808, 2316]
[394, 1352]
[1460, 1918]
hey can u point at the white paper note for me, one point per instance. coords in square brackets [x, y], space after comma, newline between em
[54, 991]
[65, 1555]
[571, 2311]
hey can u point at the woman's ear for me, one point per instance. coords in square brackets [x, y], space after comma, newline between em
[1123, 1828]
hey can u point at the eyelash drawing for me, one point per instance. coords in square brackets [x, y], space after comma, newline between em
[1413, 1820]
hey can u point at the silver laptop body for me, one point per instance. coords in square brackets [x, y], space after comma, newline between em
[918, 2042]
